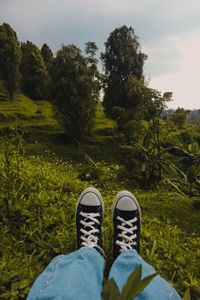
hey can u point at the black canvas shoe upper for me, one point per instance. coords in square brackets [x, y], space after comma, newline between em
[89, 217]
[126, 221]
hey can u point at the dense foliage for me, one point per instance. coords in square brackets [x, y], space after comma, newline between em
[70, 80]
[47, 54]
[122, 58]
[34, 72]
[10, 58]
[75, 91]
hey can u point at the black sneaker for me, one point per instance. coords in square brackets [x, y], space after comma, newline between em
[89, 218]
[126, 220]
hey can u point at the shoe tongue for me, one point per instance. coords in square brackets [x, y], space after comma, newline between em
[127, 214]
[90, 209]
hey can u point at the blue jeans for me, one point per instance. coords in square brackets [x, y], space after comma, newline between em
[79, 276]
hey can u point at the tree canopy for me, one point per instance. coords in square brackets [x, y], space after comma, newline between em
[75, 91]
[34, 72]
[122, 58]
[179, 117]
[10, 57]
[47, 54]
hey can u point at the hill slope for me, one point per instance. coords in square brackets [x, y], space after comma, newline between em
[24, 112]
[44, 182]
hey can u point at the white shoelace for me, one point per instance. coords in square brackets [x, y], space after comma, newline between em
[88, 237]
[127, 236]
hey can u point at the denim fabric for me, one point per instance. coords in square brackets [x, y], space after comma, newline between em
[158, 289]
[79, 276]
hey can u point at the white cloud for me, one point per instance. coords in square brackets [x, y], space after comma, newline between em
[152, 19]
[184, 7]
[86, 6]
[184, 83]
[163, 56]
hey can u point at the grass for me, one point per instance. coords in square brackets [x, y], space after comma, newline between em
[41, 223]
[103, 125]
[24, 112]
[41, 131]
[42, 180]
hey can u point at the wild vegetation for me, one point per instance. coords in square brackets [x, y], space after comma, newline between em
[51, 150]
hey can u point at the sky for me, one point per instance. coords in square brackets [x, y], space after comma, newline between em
[168, 31]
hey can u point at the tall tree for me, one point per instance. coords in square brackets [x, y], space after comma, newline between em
[48, 58]
[129, 119]
[47, 54]
[122, 58]
[10, 57]
[91, 50]
[75, 91]
[34, 72]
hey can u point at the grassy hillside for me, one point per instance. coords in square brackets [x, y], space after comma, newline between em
[41, 178]
[41, 131]
[24, 112]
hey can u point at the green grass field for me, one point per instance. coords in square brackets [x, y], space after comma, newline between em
[42, 178]
[24, 112]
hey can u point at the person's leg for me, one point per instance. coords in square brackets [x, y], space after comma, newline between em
[127, 220]
[125, 264]
[78, 275]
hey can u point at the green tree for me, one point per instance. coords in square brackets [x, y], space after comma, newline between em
[47, 54]
[10, 57]
[179, 117]
[122, 58]
[91, 51]
[129, 120]
[34, 72]
[75, 91]
[152, 154]
[48, 58]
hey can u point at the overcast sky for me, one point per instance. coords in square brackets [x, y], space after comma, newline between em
[168, 30]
